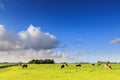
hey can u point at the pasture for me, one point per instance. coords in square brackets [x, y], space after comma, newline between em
[54, 72]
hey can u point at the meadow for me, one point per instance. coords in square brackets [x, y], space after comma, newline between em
[53, 72]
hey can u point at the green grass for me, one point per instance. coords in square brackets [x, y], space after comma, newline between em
[53, 72]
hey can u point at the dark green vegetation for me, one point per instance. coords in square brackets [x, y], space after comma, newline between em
[41, 61]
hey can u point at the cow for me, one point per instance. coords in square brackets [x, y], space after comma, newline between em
[62, 66]
[24, 66]
[78, 65]
[107, 65]
[110, 67]
[66, 64]
[99, 64]
[93, 64]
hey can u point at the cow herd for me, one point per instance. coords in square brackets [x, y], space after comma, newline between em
[107, 65]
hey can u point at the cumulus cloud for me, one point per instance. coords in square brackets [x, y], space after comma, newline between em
[115, 41]
[29, 44]
[32, 38]
[8, 40]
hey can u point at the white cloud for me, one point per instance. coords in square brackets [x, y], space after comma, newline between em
[115, 41]
[29, 44]
[32, 38]
[26, 55]
[7, 39]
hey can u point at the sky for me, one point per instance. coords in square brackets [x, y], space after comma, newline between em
[63, 30]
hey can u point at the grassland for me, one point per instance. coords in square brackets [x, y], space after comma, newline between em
[53, 72]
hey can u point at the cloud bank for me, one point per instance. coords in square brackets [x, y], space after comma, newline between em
[32, 38]
[26, 55]
[28, 44]
[7, 40]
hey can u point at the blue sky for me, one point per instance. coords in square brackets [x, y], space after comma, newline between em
[86, 30]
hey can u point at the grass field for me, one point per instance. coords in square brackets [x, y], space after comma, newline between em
[53, 72]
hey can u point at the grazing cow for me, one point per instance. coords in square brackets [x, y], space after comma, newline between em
[78, 65]
[66, 64]
[24, 66]
[99, 64]
[108, 66]
[93, 64]
[62, 66]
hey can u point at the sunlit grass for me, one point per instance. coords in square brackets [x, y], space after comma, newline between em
[53, 72]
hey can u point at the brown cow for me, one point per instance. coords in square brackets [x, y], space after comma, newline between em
[24, 66]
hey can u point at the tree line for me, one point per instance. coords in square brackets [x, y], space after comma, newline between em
[41, 61]
[103, 62]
